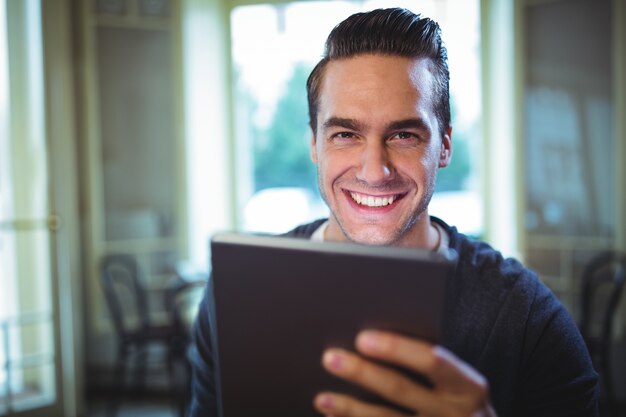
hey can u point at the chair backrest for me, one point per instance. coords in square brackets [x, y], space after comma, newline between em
[602, 285]
[183, 299]
[124, 293]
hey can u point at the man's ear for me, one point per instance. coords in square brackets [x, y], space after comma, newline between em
[313, 150]
[446, 149]
[445, 155]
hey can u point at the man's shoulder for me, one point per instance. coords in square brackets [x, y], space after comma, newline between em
[484, 274]
[497, 286]
[305, 231]
[479, 257]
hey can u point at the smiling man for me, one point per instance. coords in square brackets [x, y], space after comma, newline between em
[380, 121]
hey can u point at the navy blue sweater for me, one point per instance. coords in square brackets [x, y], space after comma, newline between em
[499, 318]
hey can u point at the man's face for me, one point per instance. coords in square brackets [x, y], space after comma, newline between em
[378, 148]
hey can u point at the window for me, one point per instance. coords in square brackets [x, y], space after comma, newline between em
[572, 176]
[27, 350]
[274, 48]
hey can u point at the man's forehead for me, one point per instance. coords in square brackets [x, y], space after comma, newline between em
[349, 78]
[358, 71]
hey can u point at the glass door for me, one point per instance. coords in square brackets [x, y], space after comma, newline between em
[29, 363]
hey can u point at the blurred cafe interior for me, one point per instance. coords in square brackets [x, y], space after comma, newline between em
[131, 131]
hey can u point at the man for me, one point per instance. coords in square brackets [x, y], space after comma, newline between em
[380, 120]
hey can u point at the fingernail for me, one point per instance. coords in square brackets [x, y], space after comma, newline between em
[325, 401]
[333, 360]
[369, 340]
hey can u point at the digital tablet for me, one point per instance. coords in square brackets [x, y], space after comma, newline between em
[279, 302]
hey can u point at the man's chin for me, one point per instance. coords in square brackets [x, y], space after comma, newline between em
[366, 231]
[374, 237]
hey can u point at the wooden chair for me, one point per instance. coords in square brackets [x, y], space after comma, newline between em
[136, 333]
[602, 285]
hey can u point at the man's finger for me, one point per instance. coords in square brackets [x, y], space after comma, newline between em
[440, 366]
[381, 380]
[339, 405]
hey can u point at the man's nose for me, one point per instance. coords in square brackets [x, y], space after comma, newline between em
[375, 164]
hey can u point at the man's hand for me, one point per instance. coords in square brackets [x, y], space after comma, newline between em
[458, 389]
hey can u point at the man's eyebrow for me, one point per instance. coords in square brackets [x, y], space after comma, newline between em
[412, 123]
[352, 124]
[342, 122]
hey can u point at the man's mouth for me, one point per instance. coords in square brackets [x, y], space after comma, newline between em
[374, 201]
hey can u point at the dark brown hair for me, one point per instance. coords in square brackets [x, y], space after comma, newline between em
[395, 32]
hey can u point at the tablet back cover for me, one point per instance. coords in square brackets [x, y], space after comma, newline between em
[279, 302]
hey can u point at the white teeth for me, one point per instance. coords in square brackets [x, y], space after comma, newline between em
[371, 201]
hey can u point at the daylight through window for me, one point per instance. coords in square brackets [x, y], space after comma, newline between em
[274, 48]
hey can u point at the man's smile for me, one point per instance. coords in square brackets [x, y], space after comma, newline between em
[373, 201]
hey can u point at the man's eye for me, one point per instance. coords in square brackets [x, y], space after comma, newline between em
[404, 135]
[344, 136]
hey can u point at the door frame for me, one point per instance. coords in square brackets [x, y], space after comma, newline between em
[63, 191]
